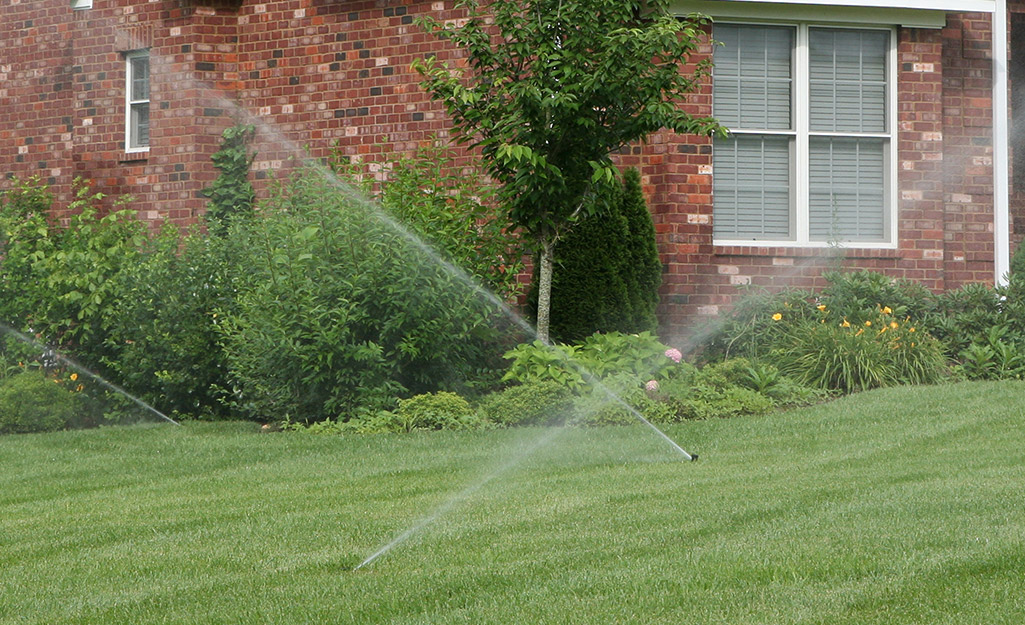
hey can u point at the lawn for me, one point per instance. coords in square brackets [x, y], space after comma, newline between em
[897, 506]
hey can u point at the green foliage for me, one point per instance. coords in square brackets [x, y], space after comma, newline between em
[589, 289]
[643, 274]
[59, 280]
[541, 402]
[607, 269]
[32, 402]
[231, 194]
[858, 295]
[437, 411]
[162, 340]
[764, 321]
[1017, 268]
[453, 211]
[996, 357]
[640, 355]
[339, 312]
[550, 89]
[845, 357]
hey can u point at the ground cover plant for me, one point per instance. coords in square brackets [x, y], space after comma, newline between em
[895, 506]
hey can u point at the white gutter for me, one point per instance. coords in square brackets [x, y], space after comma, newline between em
[1001, 161]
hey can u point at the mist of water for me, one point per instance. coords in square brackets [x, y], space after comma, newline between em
[71, 364]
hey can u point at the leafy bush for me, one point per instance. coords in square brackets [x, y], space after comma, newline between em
[540, 402]
[32, 402]
[599, 355]
[437, 411]
[452, 210]
[996, 357]
[162, 325]
[759, 323]
[59, 280]
[341, 312]
[589, 290]
[858, 295]
[643, 270]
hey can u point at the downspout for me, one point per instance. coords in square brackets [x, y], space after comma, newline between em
[1001, 159]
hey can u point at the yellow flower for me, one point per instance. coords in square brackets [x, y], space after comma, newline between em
[845, 324]
[886, 310]
[859, 332]
[821, 307]
[894, 325]
[912, 329]
[74, 376]
[868, 324]
[912, 345]
[78, 389]
[777, 317]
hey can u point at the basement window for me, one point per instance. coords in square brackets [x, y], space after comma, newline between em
[79, 5]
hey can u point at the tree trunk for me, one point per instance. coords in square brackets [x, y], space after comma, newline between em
[544, 290]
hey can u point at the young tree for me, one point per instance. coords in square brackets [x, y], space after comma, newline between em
[550, 88]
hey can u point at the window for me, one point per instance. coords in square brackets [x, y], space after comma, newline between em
[137, 101]
[81, 4]
[810, 155]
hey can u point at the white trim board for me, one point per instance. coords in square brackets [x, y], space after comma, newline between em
[909, 13]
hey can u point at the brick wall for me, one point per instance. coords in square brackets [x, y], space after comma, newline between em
[335, 76]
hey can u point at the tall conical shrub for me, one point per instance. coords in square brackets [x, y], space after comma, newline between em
[643, 271]
[608, 270]
[588, 291]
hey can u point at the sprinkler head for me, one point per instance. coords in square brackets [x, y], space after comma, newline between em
[693, 457]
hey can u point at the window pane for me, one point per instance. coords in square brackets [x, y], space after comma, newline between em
[751, 187]
[847, 195]
[139, 127]
[752, 76]
[848, 80]
[140, 78]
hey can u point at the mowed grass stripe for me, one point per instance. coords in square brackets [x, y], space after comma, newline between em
[897, 506]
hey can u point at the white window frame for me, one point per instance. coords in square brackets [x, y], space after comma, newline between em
[800, 168]
[80, 5]
[129, 102]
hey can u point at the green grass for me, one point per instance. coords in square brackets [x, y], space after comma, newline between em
[896, 506]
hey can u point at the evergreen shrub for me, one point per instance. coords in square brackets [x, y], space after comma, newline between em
[607, 269]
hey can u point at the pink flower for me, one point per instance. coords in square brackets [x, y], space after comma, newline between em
[674, 354]
[651, 386]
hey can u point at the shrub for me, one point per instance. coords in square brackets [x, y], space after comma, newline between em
[437, 411]
[608, 269]
[589, 289]
[341, 312]
[760, 322]
[541, 402]
[858, 295]
[643, 269]
[599, 355]
[59, 280]
[162, 324]
[994, 358]
[32, 402]
[453, 211]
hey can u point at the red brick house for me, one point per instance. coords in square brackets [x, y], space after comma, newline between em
[870, 126]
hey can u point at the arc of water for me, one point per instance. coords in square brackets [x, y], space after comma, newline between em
[24, 338]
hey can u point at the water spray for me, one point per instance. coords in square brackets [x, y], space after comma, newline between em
[52, 355]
